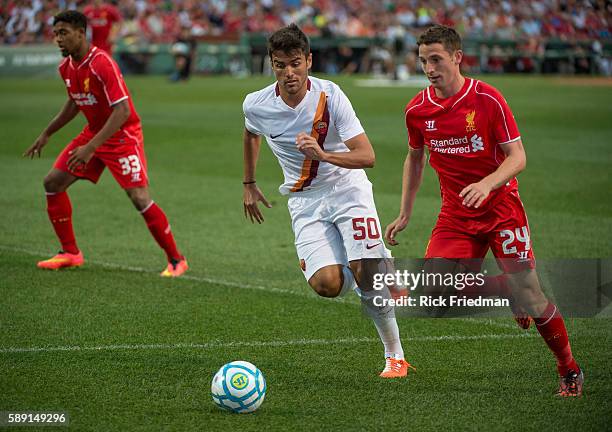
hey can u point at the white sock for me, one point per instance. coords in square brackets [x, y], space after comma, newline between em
[385, 322]
[389, 335]
[349, 282]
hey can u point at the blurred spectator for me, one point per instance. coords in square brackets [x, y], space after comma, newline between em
[347, 60]
[602, 62]
[521, 21]
[103, 22]
[161, 20]
[183, 49]
[133, 59]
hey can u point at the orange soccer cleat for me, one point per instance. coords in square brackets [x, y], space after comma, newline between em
[396, 368]
[570, 385]
[175, 268]
[62, 260]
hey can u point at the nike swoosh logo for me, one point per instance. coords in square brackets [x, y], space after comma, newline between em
[372, 246]
[275, 136]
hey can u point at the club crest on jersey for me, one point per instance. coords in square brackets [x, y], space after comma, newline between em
[470, 125]
[86, 85]
[321, 127]
[430, 125]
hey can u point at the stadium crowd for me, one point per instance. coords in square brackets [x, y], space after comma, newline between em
[26, 21]
[532, 22]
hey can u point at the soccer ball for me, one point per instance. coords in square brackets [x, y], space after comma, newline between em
[239, 387]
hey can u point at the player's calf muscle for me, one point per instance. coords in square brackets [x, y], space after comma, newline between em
[139, 197]
[526, 288]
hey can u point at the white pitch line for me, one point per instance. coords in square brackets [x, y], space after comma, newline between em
[222, 282]
[489, 322]
[215, 281]
[256, 344]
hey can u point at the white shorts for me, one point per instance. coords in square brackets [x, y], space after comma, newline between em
[336, 225]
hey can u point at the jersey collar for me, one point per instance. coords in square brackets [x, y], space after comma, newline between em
[92, 50]
[450, 102]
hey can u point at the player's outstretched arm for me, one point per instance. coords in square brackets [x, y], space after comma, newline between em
[81, 155]
[252, 194]
[66, 114]
[361, 154]
[474, 194]
[411, 182]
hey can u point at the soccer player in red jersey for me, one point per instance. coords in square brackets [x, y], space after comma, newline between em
[104, 22]
[475, 147]
[112, 138]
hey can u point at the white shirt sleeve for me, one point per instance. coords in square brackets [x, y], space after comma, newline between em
[343, 115]
[249, 120]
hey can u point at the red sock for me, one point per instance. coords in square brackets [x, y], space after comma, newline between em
[59, 210]
[552, 328]
[160, 228]
[494, 286]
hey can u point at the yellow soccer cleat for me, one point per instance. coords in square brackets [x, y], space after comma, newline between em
[396, 368]
[175, 268]
[62, 260]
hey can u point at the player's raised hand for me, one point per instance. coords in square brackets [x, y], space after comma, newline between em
[474, 194]
[36, 148]
[309, 146]
[394, 228]
[251, 195]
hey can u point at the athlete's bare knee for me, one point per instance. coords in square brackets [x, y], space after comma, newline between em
[524, 282]
[49, 184]
[326, 288]
[55, 183]
[327, 282]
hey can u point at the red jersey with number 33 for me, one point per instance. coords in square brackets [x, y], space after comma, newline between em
[95, 84]
[464, 134]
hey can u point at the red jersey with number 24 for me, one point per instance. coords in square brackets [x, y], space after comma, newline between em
[464, 134]
[95, 84]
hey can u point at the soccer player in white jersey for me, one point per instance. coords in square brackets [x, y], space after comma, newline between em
[312, 129]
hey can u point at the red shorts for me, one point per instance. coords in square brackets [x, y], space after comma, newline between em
[123, 154]
[504, 229]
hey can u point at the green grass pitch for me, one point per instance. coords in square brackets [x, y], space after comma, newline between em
[121, 349]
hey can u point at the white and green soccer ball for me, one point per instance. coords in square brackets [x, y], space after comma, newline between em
[238, 387]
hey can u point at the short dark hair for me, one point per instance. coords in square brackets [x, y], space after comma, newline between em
[75, 18]
[288, 39]
[438, 33]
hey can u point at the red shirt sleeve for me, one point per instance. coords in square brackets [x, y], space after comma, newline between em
[415, 137]
[109, 76]
[503, 125]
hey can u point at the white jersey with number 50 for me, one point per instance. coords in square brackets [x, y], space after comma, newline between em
[325, 113]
